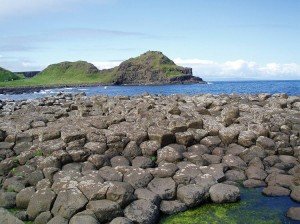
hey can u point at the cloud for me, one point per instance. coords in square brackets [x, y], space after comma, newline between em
[106, 64]
[240, 69]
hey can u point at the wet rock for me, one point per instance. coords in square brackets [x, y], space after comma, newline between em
[221, 193]
[142, 211]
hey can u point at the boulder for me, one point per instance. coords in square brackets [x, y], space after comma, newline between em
[211, 141]
[222, 193]
[41, 201]
[58, 219]
[23, 197]
[142, 211]
[145, 194]
[43, 218]
[170, 153]
[68, 203]
[295, 195]
[247, 138]
[266, 143]
[256, 173]
[276, 191]
[149, 148]
[164, 187]
[138, 177]
[234, 162]
[172, 207]
[191, 195]
[162, 136]
[7, 199]
[84, 217]
[110, 174]
[121, 220]
[294, 213]
[251, 183]
[7, 217]
[132, 150]
[120, 192]
[105, 210]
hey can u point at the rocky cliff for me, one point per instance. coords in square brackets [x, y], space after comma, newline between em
[152, 67]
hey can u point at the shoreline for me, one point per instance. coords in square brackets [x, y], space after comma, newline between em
[31, 89]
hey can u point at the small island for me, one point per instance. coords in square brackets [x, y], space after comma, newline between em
[150, 68]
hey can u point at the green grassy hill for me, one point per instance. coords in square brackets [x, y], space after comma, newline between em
[6, 75]
[148, 68]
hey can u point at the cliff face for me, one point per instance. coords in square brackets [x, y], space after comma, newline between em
[152, 67]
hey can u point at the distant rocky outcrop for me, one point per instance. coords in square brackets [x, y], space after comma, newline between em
[152, 67]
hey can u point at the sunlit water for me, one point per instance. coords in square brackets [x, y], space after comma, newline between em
[242, 87]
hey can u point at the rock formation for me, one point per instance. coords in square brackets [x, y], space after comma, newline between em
[77, 159]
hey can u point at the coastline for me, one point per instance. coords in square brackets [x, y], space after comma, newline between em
[31, 89]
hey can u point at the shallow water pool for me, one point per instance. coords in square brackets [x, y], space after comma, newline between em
[253, 208]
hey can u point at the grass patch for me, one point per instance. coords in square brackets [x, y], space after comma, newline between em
[38, 152]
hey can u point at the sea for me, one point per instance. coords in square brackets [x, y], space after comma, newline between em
[290, 87]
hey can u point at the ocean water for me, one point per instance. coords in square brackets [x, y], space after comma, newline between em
[239, 87]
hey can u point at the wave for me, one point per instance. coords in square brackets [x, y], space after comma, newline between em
[209, 83]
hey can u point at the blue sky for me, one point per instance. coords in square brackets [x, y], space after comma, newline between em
[220, 39]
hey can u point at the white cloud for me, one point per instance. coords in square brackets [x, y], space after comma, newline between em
[240, 69]
[106, 64]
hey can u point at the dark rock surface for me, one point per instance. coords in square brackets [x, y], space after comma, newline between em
[75, 159]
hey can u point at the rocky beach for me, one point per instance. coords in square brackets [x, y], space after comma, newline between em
[132, 159]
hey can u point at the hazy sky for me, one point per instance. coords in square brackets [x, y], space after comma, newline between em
[220, 39]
